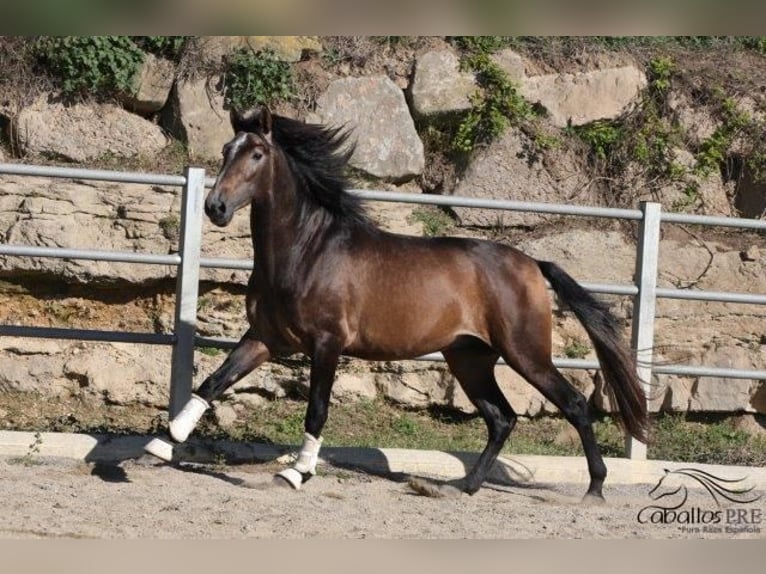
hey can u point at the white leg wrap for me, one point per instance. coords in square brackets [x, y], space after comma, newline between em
[160, 448]
[183, 424]
[306, 463]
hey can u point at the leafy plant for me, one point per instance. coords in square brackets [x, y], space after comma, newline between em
[601, 136]
[210, 351]
[169, 47]
[482, 44]
[494, 108]
[660, 71]
[257, 78]
[435, 221]
[639, 148]
[576, 349]
[104, 65]
[170, 226]
[714, 149]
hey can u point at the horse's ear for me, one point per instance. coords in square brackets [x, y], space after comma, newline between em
[240, 121]
[258, 120]
[265, 120]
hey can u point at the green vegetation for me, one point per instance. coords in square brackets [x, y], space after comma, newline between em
[645, 137]
[734, 123]
[754, 43]
[91, 64]
[482, 44]
[601, 136]
[717, 442]
[210, 351]
[495, 107]
[257, 78]
[382, 424]
[576, 349]
[102, 66]
[170, 47]
[435, 221]
[170, 226]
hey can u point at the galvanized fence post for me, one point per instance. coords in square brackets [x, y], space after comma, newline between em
[644, 304]
[187, 290]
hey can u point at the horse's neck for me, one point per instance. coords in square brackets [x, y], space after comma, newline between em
[274, 231]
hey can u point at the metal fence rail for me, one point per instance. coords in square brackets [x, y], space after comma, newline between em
[188, 262]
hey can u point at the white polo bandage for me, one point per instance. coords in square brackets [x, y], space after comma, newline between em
[183, 424]
[306, 463]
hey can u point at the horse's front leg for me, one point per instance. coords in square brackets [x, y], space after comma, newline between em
[324, 362]
[249, 353]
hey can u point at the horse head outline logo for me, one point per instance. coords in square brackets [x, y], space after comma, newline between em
[672, 484]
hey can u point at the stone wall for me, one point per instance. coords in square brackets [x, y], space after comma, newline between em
[388, 113]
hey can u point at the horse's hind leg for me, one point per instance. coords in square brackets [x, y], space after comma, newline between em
[473, 366]
[544, 376]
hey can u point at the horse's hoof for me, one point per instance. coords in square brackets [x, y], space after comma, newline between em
[281, 482]
[160, 448]
[593, 499]
[433, 489]
[291, 477]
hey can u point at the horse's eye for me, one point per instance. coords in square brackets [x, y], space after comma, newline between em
[257, 155]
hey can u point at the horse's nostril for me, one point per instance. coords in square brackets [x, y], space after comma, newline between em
[213, 208]
[216, 210]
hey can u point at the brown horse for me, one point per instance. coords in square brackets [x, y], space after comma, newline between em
[327, 282]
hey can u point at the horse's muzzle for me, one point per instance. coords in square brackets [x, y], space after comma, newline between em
[216, 210]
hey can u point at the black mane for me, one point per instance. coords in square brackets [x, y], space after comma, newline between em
[318, 160]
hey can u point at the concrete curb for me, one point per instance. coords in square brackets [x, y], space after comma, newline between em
[520, 469]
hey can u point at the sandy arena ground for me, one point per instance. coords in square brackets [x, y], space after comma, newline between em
[142, 498]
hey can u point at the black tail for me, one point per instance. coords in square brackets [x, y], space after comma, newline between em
[618, 366]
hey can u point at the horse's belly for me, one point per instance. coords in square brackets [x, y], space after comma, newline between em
[395, 338]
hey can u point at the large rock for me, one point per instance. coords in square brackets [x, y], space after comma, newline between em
[83, 133]
[721, 394]
[115, 373]
[32, 366]
[439, 86]
[105, 216]
[580, 252]
[512, 63]
[350, 387]
[418, 388]
[152, 85]
[374, 108]
[122, 374]
[696, 123]
[196, 115]
[508, 170]
[578, 99]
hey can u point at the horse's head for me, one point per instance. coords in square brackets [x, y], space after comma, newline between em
[246, 173]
